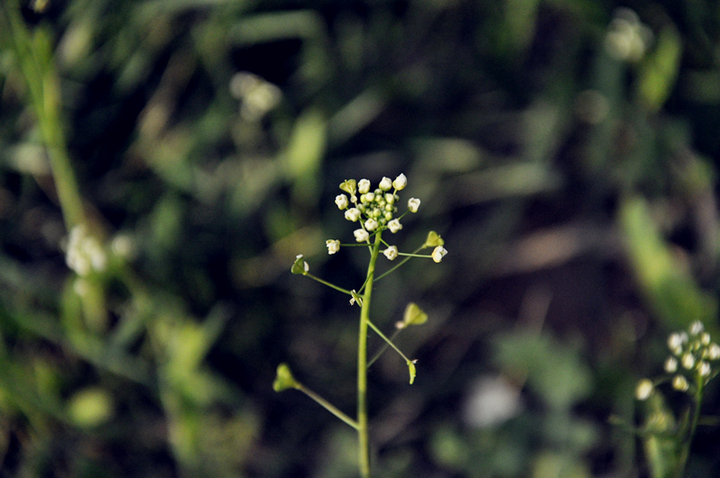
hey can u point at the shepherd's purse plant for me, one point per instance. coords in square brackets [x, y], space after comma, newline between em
[667, 438]
[374, 211]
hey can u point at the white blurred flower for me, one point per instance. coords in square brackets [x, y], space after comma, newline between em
[400, 182]
[696, 327]
[676, 342]
[361, 235]
[363, 186]
[713, 352]
[671, 365]
[352, 214]
[627, 38]
[438, 253]
[687, 360]
[704, 369]
[394, 225]
[491, 401]
[342, 201]
[84, 252]
[680, 383]
[413, 204]
[257, 95]
[391, 252]
[333, 245]
[385, 184]
[644, 389]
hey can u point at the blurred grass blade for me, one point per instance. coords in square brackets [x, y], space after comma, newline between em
[670, 291]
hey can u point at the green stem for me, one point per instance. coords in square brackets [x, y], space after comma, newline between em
[362, 415]
[687, 440]
[35, 57]
[327, 405]
[409, 256]
[388, 341]
[332, 286]
[383, 348]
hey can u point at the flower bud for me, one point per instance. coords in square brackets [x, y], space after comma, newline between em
[680, 383]
[342, 201]
[385, 184]
[413, 204]
[644, 389]
[671, 365]
[364, 186]
[696, 327]
[400, 182]
[371, 224]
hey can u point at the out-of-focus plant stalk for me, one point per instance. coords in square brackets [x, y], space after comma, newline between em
[34, 54]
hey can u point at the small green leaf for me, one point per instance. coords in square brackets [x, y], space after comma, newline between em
[284, 378]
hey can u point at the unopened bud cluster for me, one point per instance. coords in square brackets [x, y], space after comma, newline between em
[374, 208]
[692, 354]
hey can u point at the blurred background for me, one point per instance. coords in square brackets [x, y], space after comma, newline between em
[162, 162]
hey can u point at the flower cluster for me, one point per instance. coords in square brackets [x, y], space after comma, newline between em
[84, 253]
[374, 210]
[689, 362]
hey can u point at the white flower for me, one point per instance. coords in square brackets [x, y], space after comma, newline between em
[333, 246]
[680, 383]
[342, 201]
[644, 389]
[352, 214]
[687, 360]
[364, 186]
[696, 327]
[84, 252]
[671, 365]
[676, 341]
[361, 235]
[394, 225]
[705, 339]
[400, 182]
[704, 369]
[385, 184]
[713, 352]
[371, 224]
[391, 252]
[439, 253]
[413, 204]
